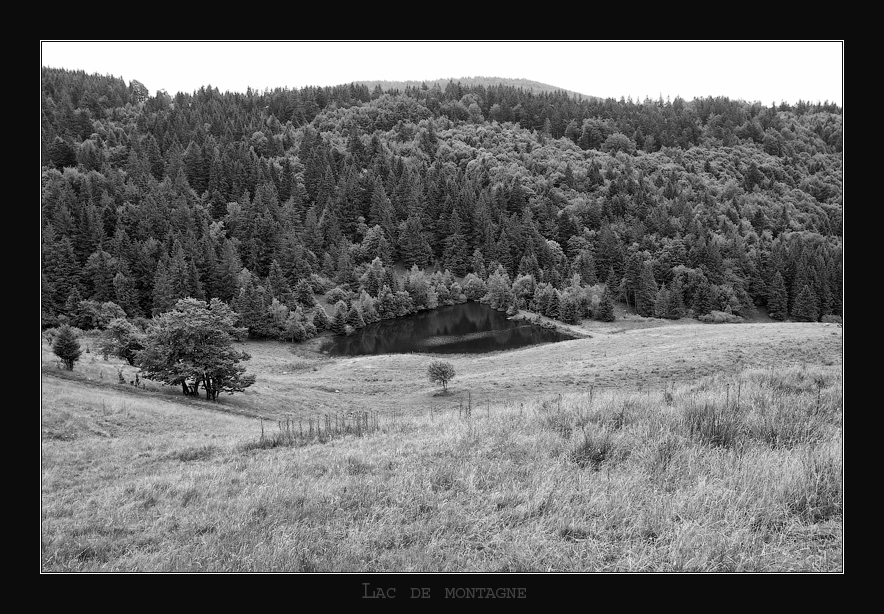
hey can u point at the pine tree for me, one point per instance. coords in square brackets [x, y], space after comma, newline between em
[777, 298]
[646, 295]
[320, 319]
[227, 272]
[72, 303]
[381, 210]
[339, 321]
[163, 293]
[194, 285]
[126, 295]
[612, 282]
[386, 303]
[456, 254]
[179, 273]
[675, 308]
[661, 304]
[553, 307]
[304, 293]
[279, 287]
[806, 307]
[413, 245]
[605, 311]
[633, 275]
[702, 298]
[66, 347]
[570, 310]
[100, 270]
[346, 274]
[478, 264]
[504, 252]
[354, 317]
[60, 268]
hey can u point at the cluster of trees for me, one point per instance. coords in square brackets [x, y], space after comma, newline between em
[190, 346]
[265, 200]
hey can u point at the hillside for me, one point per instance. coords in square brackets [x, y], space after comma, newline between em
[624, 478]
[297, 381]
[264, 200]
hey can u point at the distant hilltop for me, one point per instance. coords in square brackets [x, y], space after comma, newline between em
[526, 84]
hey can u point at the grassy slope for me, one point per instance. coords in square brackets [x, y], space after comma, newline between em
[631, 358]
[136, 480]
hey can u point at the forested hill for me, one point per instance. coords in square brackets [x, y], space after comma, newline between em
[535, 87]
[711, 204]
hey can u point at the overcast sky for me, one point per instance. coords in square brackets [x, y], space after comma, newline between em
[753, 71]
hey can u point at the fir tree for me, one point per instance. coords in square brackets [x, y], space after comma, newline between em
[806, 307]
[304, 293]
[675, 308]
[320, 319]
[661, 304]
[339, 321]
[605, 311]
[354, 317]
[702, 298]
[553, 307]
[478, 264]
[413, 245]
[163, 294]
[125, 294]
[386, 303]
[66, 347]
[72, 304]
[570, 310]
[277, 283]
[777, 298]
[456, 254]
[646, 296]
[612, 282]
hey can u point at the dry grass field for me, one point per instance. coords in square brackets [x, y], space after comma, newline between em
[683, 447]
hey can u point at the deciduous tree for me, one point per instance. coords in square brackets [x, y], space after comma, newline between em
[192, 345]
[441, 372]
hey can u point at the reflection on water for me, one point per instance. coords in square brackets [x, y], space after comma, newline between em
[469, 328]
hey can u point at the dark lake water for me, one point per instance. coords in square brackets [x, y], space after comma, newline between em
[469, 328]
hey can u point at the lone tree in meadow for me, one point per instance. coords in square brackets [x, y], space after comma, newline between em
[67, 347]
[192, 346]
[441, 372]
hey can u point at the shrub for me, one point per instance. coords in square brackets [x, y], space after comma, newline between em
[441, 372]
[720, 317]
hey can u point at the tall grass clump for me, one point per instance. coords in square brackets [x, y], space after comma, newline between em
[713, 425]
[814, 491]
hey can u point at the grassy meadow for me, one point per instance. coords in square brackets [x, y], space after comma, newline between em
[673, 448]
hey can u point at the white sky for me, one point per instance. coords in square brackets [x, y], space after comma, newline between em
[754, 71]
